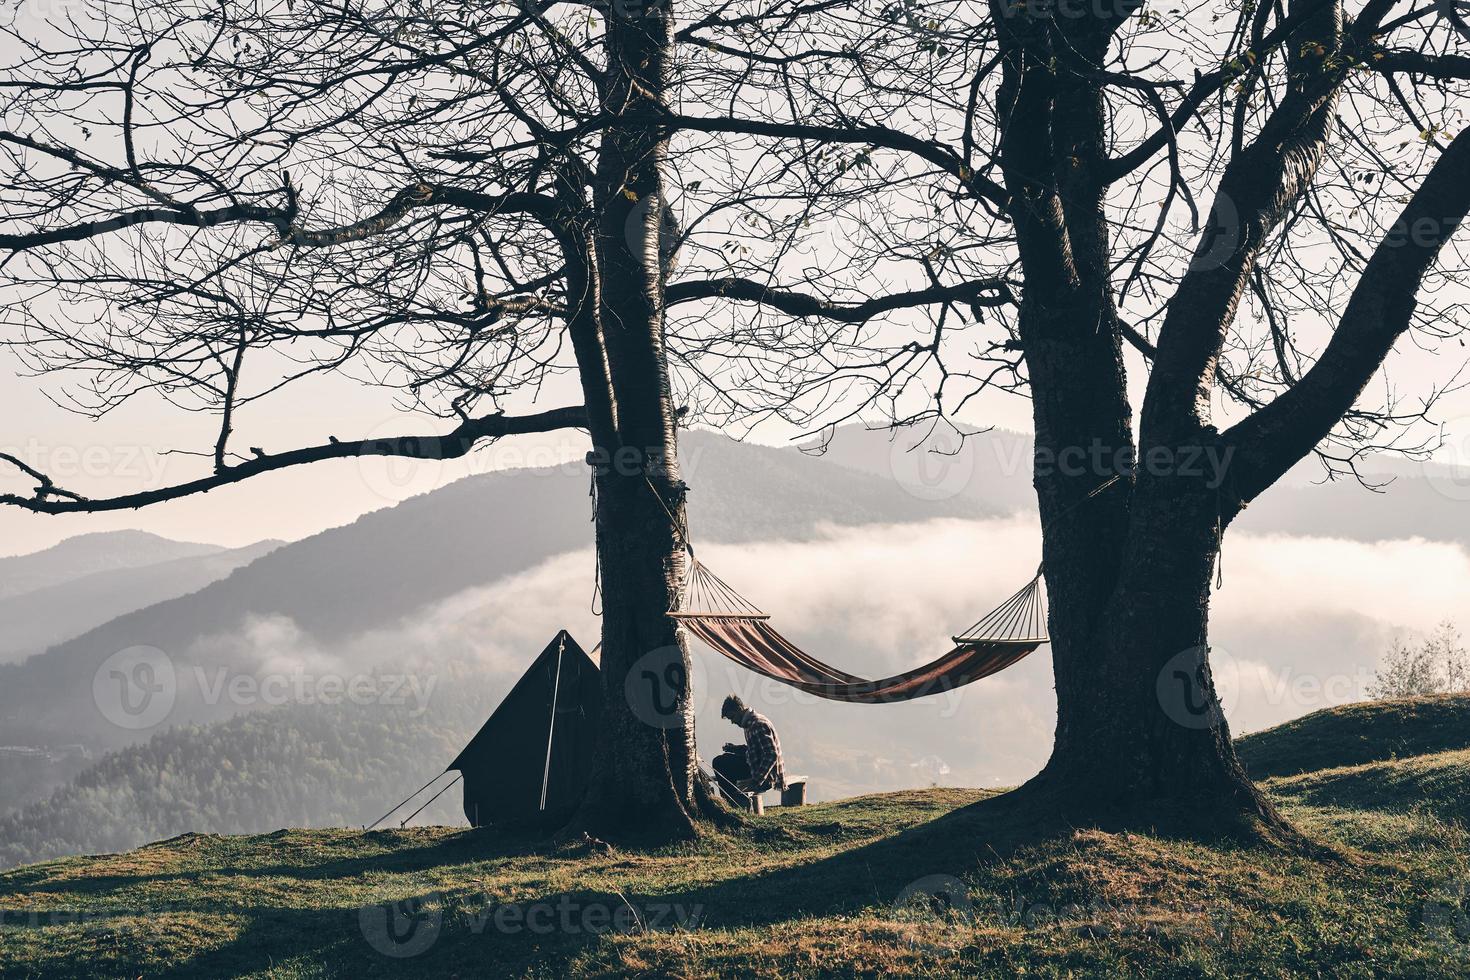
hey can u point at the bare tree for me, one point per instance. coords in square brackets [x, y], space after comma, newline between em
[210, 202]
[1051, 143]
[1437, 664]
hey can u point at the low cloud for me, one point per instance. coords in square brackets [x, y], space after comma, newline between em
[1300, 624]
[1410, 584]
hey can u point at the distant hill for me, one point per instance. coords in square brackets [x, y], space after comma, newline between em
[1438, 783]
[1354, 734]
[334, 598]
[333, 765]
[32, 621]
[88, 554]
[994, 468]
[1407, 507]
[939, 463]
[1407, 756]
[298, 765]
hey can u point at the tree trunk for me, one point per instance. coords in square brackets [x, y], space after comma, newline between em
[646, 784]
[1141, 738]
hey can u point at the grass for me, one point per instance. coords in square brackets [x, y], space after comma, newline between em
[1437, 784]
[814, 891]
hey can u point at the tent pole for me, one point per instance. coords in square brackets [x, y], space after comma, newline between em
[561, 645]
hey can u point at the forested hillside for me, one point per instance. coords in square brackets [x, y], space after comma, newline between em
[294, 766]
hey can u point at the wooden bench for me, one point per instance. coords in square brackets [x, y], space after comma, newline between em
[793, 795]
[795, 792]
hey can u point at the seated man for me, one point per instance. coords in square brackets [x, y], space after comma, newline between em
[755, 766]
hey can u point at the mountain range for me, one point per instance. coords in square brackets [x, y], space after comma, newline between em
[95, 578]
[462, 585]
[88, 554]
[392, 563]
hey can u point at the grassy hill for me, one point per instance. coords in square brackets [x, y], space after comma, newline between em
[897, 883]
[1370, 731]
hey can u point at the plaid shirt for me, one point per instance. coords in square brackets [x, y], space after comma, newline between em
[763, 754]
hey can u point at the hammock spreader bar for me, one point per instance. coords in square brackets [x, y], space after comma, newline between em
[738, 629]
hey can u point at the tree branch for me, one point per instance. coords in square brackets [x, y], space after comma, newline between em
[931, 151]
[982, 292]
[1209, 83]
[1259, 187]
[282, 219]
[50, 499]
[1443, 66]
[190, 217]
[1379, 311]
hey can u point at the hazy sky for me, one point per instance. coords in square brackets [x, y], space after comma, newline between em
[130, 449]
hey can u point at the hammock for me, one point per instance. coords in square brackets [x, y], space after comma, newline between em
[738, 629]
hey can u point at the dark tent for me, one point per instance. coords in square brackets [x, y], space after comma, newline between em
[532, 759]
